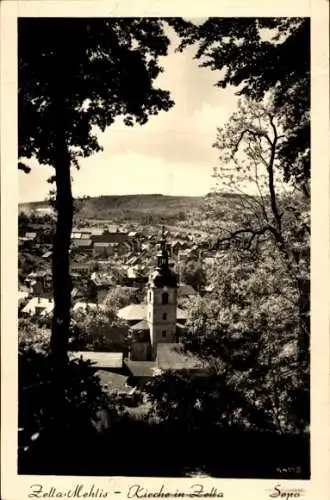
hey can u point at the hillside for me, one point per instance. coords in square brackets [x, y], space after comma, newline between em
[148, 209]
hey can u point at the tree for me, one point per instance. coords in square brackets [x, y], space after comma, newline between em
[258, 55]
[247, 331]
[119, 297]
[193, 274]
[75, 75]
[38, 423]
[276, 216]
[253, 330]
[98, 330]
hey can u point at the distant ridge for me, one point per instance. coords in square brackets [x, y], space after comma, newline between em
[45, 203]
[144, 208]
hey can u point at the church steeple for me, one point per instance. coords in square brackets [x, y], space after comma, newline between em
[162, 255]
[163, 275]
[162, 299]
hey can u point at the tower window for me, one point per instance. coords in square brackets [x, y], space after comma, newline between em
[165, 298]
[164, 333]
[149, 296]
[164, 316]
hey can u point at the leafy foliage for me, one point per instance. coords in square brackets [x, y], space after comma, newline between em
[31, 335]
[39, 414]
[277, 217]
[193, 274]
[98, 330]
[93, 63]
[118, 297]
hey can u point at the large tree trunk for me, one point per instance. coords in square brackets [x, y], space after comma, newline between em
[61, 288]
[61, 270]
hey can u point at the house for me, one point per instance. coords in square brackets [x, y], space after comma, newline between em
[185, 254]
[100, 284]
[23, 241]
[85, 235]
[145, 246]
[47, 255]
[45, 211]
[186, 291]
[39, 306]
[96, 230]
[40, 283]
[81, 243]
[110, 243]
[80, 267]
[133, 260]
[176, 246]
[132, 272]
[107, 237]
[75, 235]
[102, 249]
[210, 261]
[88, 306]
[30, 236]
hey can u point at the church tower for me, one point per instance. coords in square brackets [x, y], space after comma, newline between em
[162, 300]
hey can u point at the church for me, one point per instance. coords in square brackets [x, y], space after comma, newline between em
[159, 320]
[155, 327]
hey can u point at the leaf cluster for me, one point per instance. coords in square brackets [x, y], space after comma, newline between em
[78, 74]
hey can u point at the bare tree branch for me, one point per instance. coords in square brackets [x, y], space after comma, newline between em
[252, 232]
[254, 133]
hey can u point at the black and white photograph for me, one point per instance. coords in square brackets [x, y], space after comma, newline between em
[163, 247]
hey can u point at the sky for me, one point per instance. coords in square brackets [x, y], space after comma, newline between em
[172, 154]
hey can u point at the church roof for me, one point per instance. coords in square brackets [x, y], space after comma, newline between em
[138, 312]
[133, 312]
[100, 359]
[171, 357]
[141, 325]
[142, 368]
